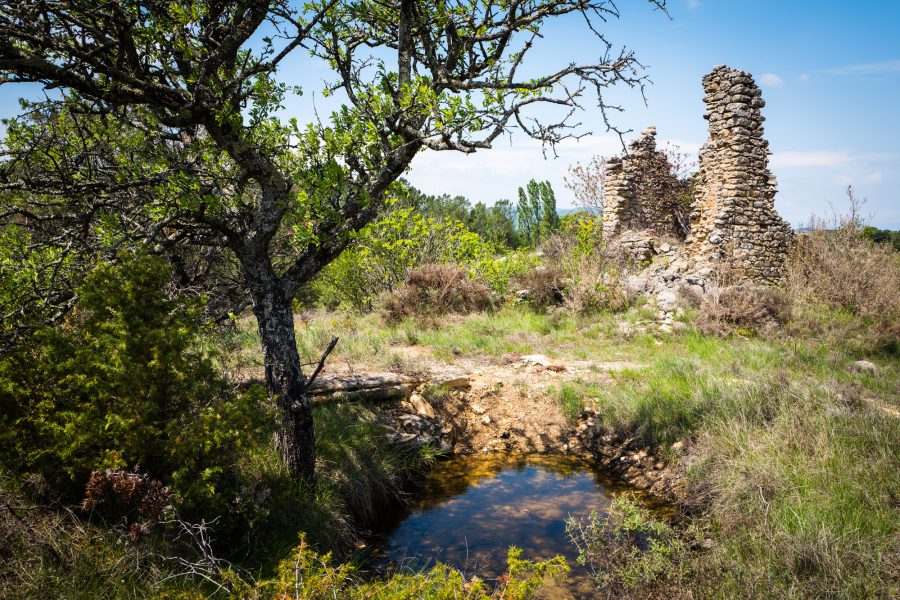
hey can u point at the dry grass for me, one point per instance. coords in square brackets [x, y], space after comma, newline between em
[845, 271]
[436, 290]
[834, 266]
[742, 308]
[546, 286]
[587, 273]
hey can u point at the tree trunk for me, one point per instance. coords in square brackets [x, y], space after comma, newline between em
[285, 381]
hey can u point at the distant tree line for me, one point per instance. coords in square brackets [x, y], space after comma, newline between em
[505, 225]
[882, 236]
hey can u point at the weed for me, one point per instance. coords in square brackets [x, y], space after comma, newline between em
[435, 290]
[629, 553]
[743, 309]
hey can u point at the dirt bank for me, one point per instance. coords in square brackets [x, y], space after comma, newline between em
[511, 405]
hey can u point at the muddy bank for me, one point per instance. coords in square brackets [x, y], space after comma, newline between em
[483, 415]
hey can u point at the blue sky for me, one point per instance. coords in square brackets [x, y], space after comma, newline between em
[829, 71]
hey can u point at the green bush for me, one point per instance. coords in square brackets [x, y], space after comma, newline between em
[585, 227]
[308, 575]
[629, 553]
[383, 254]
[125, 382]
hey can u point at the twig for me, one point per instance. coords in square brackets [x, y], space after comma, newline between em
[322, 360]
[29, 531]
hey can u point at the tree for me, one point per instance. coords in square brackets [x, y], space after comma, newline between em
[586, 182]
[537, 214]
[549, 216]
[442, 208]
[503, 215]
[528, 213]
[161, 127]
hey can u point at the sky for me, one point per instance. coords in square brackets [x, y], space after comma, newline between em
[829, 72]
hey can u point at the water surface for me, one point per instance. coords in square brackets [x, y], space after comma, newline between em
[470, 510]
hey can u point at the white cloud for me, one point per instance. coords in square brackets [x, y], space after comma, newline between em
[804, 77]
[770, 80]
[846, 179]
[810, 158]
[879, 68]
[693, 4]
[873, 177]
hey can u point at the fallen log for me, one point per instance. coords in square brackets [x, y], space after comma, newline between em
[371, 387]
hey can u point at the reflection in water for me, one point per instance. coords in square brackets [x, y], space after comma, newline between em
[471, 509]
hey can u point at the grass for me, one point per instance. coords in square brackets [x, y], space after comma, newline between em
[571, 401]
[792, 466]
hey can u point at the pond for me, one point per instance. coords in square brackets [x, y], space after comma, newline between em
[470, 510]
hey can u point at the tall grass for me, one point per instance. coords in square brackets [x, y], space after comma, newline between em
[795, 472]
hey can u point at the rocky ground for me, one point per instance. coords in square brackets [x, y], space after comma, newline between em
[504, 405]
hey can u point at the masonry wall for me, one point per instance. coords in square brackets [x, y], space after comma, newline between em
[630, 201]
[733, 221]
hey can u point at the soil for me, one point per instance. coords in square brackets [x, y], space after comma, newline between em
[509, 405]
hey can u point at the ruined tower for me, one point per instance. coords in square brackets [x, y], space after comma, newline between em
[631, 200]
[733, 221]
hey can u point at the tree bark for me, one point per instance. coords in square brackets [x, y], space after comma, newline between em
[285, 381]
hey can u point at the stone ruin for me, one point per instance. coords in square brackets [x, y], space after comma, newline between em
[630, 201]
[734, 228]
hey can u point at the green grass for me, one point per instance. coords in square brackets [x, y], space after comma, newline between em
[793, 469]
[571, 401]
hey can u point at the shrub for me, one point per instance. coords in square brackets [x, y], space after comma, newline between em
[837, 266]
[124, 382]
[132, 499]
[545, 286]
[584, 226]
[497, 272]
[383, 254]
[742, 308]
[436, 290]
[581, 272]
[629, 553]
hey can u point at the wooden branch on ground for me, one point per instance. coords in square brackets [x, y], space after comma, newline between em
[374, 388]
[377, 387]
[331, 345]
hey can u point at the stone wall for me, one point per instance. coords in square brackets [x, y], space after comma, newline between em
[733, 221]
[633, 191]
